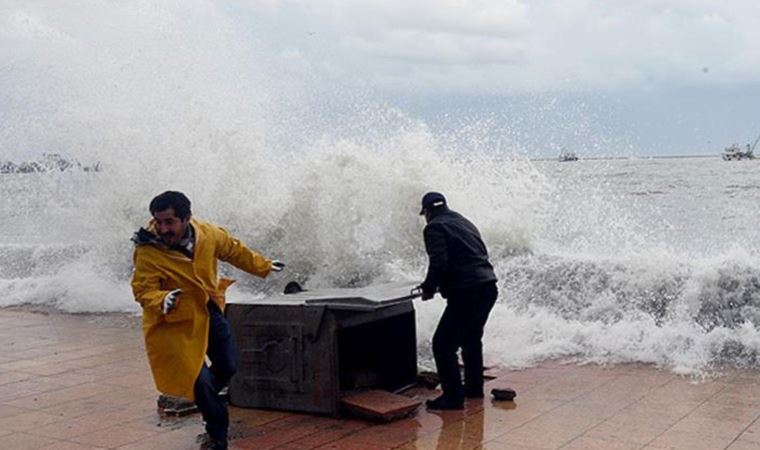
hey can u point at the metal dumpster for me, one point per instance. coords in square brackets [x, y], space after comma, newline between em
[305, 351]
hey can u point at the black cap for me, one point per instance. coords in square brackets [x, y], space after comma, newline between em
[432, 200]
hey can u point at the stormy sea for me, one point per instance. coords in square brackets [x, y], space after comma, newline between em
[604, 260]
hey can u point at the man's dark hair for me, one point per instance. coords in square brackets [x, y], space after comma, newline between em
[171, 199]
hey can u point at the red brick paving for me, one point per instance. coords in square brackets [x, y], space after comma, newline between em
[74, 382]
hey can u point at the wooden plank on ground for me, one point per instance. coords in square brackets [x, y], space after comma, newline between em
[379, 405]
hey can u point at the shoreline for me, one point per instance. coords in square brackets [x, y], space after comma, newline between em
[127, 319]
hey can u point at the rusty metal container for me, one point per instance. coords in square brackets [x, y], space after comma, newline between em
[305, 351]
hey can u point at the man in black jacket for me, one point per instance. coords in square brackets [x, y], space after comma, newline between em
[460, 271]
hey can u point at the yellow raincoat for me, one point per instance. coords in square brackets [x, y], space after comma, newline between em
[176, 342]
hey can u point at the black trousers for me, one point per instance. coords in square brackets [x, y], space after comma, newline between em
[461, 326]
[224, 359]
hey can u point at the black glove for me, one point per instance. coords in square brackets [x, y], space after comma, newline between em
[421, 292]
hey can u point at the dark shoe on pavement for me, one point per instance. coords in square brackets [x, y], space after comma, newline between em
[209, 443]
[218, 445]
[442, 403]
[507, 394]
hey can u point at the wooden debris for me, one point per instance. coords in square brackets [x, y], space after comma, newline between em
[379, 405]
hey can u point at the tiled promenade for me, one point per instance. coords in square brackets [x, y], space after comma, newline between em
[82, 382]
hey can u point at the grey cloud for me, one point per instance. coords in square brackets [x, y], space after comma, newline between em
[542, 44]
[419, 47]
[482, 18]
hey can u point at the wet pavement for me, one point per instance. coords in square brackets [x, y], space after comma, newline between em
[70, 382]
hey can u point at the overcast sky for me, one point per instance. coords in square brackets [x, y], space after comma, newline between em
[643, 77]
[602, 77]
[510, 46]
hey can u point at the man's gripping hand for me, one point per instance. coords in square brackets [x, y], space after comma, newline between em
[421, 292]
[277, 265]
[170, 301]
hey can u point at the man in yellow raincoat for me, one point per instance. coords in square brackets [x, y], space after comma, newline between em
[175, 280]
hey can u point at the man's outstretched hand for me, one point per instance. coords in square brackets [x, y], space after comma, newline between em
[170, 301]
[277, 265]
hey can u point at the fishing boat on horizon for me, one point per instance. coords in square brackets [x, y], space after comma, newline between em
[735, 153]
[565, 156]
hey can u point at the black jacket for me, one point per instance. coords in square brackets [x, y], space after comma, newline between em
[458, 256]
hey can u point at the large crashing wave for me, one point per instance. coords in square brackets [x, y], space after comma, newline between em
[340, 214]
[183, 97]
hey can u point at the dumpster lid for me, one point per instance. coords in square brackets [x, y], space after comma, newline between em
[364, 298]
